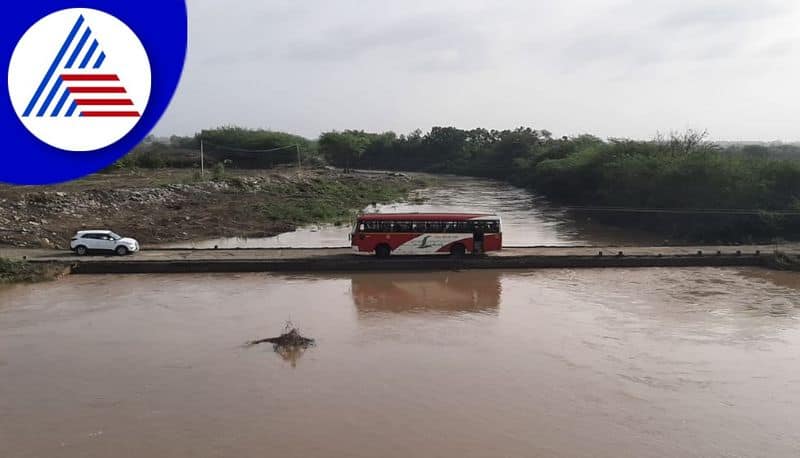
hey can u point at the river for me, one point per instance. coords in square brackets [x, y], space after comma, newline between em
[528, 219]
[573, 363]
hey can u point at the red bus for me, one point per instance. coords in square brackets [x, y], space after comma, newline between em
[426, 233]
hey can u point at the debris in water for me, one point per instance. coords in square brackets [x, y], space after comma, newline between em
[290, 338]
[290, 345]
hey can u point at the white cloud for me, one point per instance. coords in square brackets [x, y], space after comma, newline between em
[613, 68]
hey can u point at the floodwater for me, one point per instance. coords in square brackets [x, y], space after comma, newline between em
[528, 219]
[573, 363]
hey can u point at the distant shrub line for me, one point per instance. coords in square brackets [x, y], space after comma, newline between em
[679, 171]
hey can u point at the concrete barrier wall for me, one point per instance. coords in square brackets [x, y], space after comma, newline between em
[363, 264]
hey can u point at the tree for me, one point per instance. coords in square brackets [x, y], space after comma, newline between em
[343, 148]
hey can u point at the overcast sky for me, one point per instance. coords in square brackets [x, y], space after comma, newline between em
[614, 68]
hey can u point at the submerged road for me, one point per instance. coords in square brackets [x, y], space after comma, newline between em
[342, 259]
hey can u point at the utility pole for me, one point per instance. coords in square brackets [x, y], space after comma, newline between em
[299, 162]
[202, 164]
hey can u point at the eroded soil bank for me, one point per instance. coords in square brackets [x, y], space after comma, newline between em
[172, 205]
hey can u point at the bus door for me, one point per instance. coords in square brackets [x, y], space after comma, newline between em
[477, 239]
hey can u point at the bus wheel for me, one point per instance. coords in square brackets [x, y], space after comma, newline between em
[458, 250]
[383, 251]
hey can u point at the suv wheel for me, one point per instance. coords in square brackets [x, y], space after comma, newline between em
[121, 250]
[81, 250]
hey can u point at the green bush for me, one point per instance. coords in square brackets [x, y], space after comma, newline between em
[218, 172]
[679, 171]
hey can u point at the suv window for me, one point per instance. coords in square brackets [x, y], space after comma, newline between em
[97, 236]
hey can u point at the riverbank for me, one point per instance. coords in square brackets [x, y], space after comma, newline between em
[21, 271]
[169, 205]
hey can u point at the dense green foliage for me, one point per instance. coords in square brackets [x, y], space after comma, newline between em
[237, 147]
[344, 148]
[678, 172]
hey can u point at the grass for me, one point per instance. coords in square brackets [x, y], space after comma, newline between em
[330, 201]
[14, 271]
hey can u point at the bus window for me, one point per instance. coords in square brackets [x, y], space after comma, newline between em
[490, 227]
[402, 226]
[434, 226]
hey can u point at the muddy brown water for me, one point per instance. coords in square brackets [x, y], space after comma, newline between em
[608, 363]
[528, 219]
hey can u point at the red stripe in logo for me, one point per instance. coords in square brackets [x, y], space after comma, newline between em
[96, 102]
[96, 90]
[110, 114]
[90, 77]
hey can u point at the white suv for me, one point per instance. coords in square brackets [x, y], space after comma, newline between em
[86, 241]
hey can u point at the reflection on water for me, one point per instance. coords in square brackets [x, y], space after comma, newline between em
[314, 236]
[290, 353]
[290, 345]
[528, 219]
[450, 292]
[586, 363]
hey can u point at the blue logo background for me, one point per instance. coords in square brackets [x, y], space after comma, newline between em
[162, 28]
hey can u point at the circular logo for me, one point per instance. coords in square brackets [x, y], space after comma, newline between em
[79, 79]
[85, 85]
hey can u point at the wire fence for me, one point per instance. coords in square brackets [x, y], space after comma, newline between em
[252, 158]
